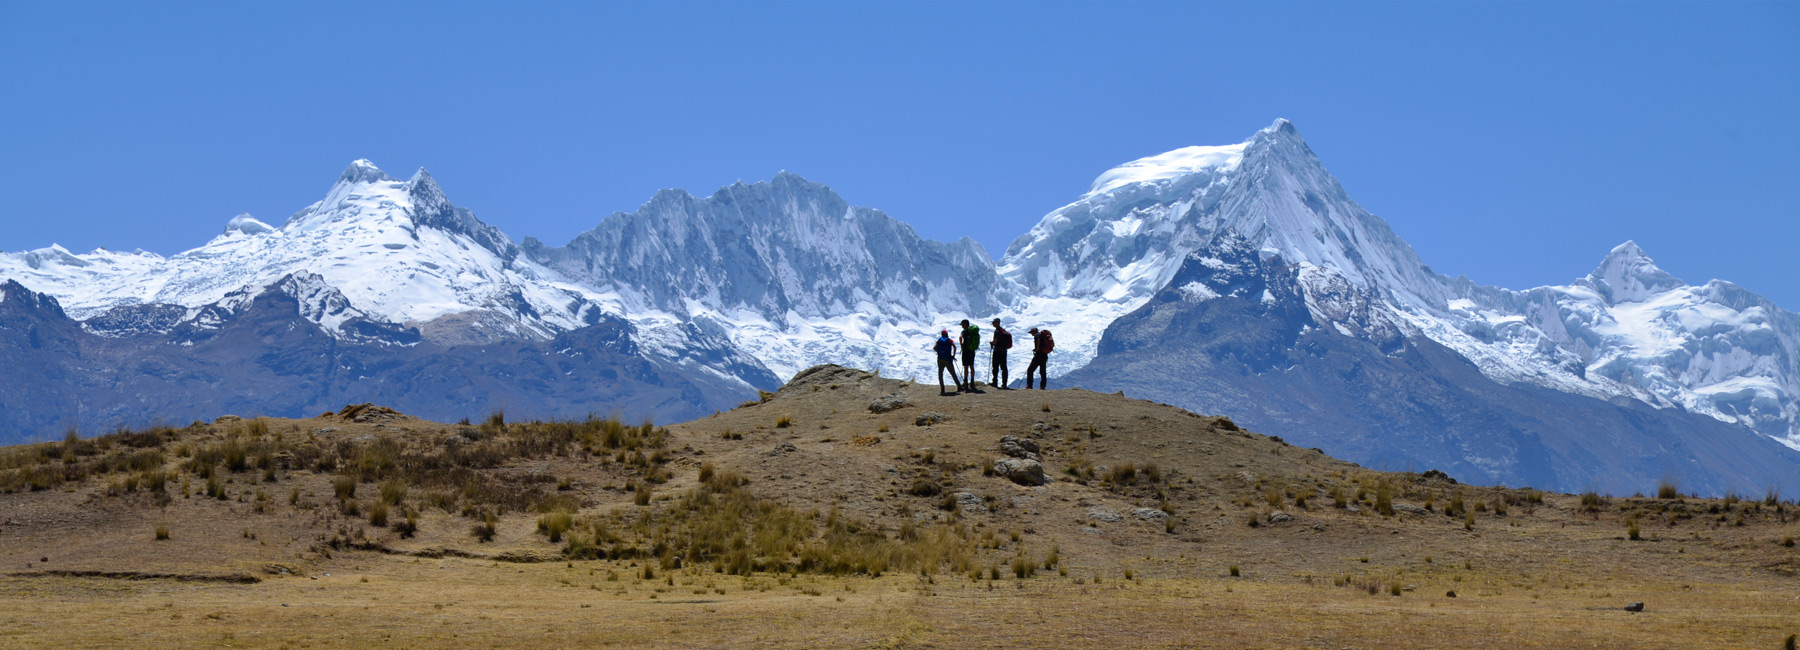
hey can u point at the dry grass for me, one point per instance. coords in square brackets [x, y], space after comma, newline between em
[714, 534]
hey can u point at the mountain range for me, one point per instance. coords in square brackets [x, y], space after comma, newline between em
[1239, 279]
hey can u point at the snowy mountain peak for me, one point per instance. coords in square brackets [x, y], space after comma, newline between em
[1629, 275]
[362, 170]
[247, 225]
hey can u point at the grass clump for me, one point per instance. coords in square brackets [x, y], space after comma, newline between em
[553, 525]
[1667, 489]
[162, 533]
[378, 514]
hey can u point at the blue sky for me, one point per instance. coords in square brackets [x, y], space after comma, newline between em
[1515, 143]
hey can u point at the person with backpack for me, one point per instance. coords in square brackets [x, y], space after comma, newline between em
[1041, 345]
[998, 376]
[971, 342]
[946, 353]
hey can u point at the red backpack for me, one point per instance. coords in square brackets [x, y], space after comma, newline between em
[1045, 344]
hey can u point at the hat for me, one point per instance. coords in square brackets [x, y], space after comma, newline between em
[1032, 330]
[943, 332]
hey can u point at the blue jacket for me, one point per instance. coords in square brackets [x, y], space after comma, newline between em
[946, 349]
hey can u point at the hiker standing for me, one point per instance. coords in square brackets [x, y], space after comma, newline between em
[998, 376]
[946, 353]
[971, 342]
[1041, 345]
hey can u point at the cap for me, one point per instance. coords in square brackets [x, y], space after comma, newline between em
[1032, 330]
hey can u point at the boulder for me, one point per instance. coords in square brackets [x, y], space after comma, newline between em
[929, 418]
[969, 503]
[1279, 516]
[783, 448]
[1019, 447]
[1634, 607]
[1023, 471]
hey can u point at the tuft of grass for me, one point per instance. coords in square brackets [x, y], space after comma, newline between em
[641, 496]
[1591, 501]
[1667, 489]
[925, 487]
[392, 491]
[1394, 589]
[378, 514]
[484, 532]
[162, 533]
[1233, 569]
[1023, 568]
[1045, 408]
[553, 525]
[784, 421]
[344, 487]
[408, 527]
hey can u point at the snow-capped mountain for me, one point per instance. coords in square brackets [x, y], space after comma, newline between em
[378, 262]
[1628, 330]
[787, 269]
[397, 250]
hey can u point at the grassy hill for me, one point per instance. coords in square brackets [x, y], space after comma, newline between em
[847, 510]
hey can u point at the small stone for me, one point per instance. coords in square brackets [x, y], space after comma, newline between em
[929, 418]
[1150, 514]
[1102, 514]
[1410, 508]
[1449, 594]
[784, 448]
[887, 403]
[1279, 516]
[1634, 607]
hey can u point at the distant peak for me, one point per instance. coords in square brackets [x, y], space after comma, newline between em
[1628, 275]
[1282, 125]
[362, 170]
[246, 224]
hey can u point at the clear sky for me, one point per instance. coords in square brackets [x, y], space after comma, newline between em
[1515, 143]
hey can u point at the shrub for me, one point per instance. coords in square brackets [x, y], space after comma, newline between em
[378, 514]
[1122, 474]
[1233, 569]
[1631, 528]
[642, 497]
[1384, 499]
